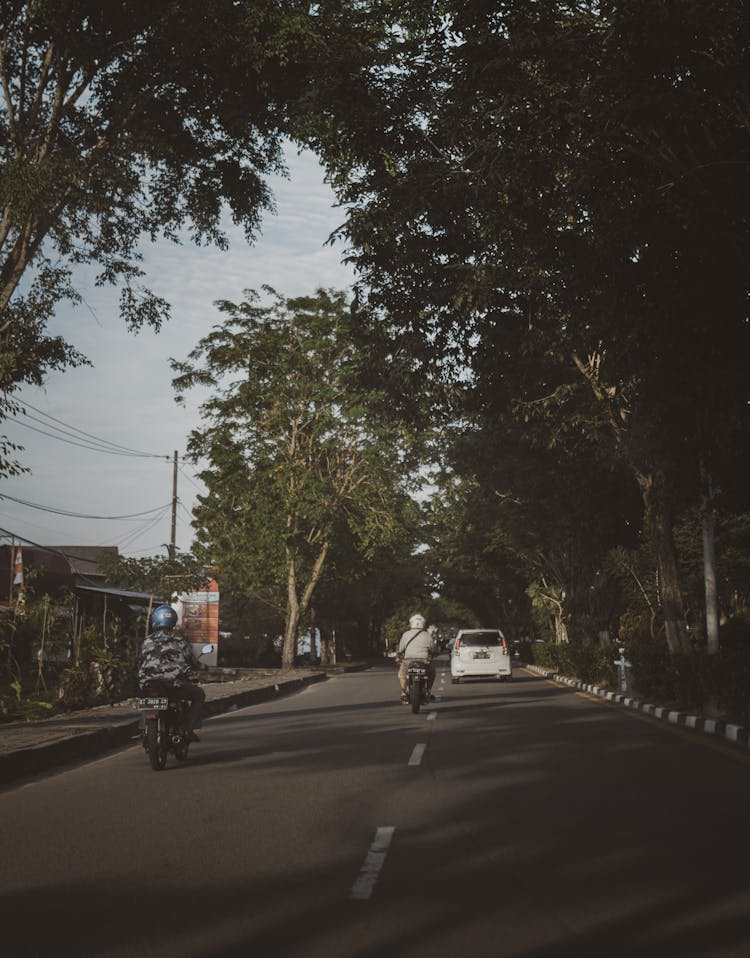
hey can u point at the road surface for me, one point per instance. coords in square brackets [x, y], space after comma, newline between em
[506, 819]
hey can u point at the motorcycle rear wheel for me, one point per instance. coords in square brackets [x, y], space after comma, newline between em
[416, 696]
[157, 751]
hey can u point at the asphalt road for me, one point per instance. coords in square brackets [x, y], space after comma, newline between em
[517, 819]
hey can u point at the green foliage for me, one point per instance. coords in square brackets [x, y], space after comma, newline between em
[303, 462]
[471, 557]
[735, 632]
[588, 663]
[126, 122]
[546, 199]
[358, 592]
[160, 576]
[729, 677]
[654, 677]
[248, 652]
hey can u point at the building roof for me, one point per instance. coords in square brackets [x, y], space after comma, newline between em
[84, 560]
[140, 597]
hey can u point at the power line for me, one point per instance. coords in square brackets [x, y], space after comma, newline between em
[81, 445]
[103, 445]
[187, 476]
[134, 534]
[78, 515]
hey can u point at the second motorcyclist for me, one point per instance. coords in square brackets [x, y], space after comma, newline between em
[415, 643]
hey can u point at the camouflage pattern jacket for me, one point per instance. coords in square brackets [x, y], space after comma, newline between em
[165, 655]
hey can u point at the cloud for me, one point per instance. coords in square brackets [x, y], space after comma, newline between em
[126, 396]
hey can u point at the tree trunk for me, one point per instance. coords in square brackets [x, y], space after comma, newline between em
[327, 647]
[296, 607]
[709, 563]
[659, 521]
[292, 618]
[561, 630]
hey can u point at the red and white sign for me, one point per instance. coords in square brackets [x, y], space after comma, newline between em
[199, 619]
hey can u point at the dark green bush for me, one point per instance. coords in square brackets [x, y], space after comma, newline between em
[652, 670]
[735, 633]
[729, 674]
[588, 663]
[237, 651]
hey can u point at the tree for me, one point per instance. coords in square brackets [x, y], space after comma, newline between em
[294, 448]
[470, 557]
[568, 184]
[125, 122]
[358, 592]
[160, 576]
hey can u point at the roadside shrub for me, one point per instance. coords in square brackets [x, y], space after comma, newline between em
[729, 673]
[75, 690]
[237, 651]
[545, 655]
[735, 633]
[635, 626]
[652, 670]
[589, 663]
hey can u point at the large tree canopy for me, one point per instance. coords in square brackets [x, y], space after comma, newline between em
[562, 190]
[129, 121]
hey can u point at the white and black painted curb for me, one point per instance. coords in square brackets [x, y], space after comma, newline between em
[736, 734]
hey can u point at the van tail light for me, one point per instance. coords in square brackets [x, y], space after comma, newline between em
[505, 645]
[457, 644]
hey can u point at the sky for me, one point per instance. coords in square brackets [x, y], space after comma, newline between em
[126, 396]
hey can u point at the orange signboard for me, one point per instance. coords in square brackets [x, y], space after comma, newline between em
[199, 618]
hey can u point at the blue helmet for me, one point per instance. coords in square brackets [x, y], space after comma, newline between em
[163, 617]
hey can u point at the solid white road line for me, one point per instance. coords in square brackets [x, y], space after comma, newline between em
[375, 859]
[416, 755]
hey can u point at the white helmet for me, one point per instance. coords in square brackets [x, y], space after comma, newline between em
[417, 621]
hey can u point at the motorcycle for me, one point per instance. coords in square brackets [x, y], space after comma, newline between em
[164, 720]
[417, 683]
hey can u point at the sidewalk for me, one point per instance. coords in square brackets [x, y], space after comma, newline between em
[27, 748]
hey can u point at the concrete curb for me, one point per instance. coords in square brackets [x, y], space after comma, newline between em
[735, 734]
[23, 762]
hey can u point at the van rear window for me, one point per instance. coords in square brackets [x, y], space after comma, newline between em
[490, 639]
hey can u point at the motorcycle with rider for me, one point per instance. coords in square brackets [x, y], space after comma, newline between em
[171, 705]
[416, 673]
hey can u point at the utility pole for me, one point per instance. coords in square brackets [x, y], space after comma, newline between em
[173, 536]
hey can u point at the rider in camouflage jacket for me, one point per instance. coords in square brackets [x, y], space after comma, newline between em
[166, 655]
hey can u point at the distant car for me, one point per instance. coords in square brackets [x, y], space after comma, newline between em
[480, 653]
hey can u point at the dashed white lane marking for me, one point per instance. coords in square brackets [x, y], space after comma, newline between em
[432, 716]
[416, 755]
[374, 860]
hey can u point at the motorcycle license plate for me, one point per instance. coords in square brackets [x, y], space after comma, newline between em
[481, 655]
[153, 702]
[418, 671]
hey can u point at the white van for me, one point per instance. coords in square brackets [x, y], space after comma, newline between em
[480, 653]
